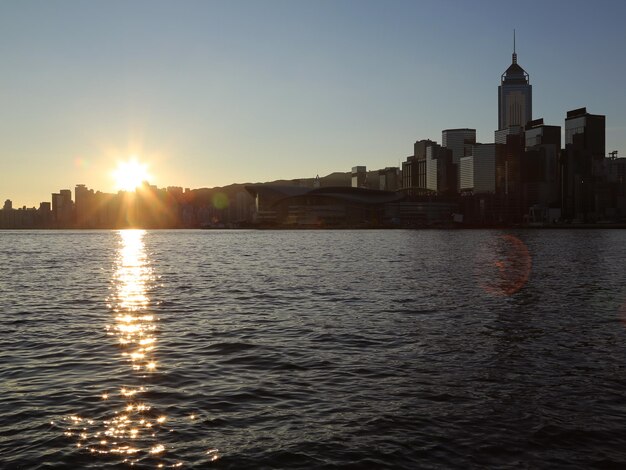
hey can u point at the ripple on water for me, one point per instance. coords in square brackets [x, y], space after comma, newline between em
[324, 349]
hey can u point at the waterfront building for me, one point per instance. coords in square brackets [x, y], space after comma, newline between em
[62, 208]
[414, 169]
[616, 175]
[389, 179]
[459, 141]
[515, 104]
[441, 173]
[541, 175]
[514, 112]
[509, 178]
[84, 206]
[359, 176]
[478, 171]
[288, 206]
[585, 193]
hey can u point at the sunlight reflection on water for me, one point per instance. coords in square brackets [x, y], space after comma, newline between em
[130, 427]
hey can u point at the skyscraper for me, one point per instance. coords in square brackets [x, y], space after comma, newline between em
[515, 96]
[583, 195]
[459, 141]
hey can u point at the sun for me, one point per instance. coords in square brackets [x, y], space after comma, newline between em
[130, 174]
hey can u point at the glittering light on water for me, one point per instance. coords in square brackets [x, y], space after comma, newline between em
[157, 449]
[213, 454]
[125, 432]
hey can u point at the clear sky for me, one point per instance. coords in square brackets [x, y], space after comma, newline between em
[209, 93]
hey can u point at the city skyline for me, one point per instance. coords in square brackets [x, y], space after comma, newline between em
[210, 94]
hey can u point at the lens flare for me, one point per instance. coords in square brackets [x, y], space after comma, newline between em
[503, 265]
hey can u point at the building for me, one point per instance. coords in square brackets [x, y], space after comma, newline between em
[389, 179]
[515, 95]
[414, 168]
[585, 192]
[459, 141]
[62, 208]
[285, 206]
[478, 171]
[359, 176]
[84, 206]
[616, 175]
[541, 175]
[441, 172]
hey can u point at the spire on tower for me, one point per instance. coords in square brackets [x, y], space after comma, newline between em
[514, 53]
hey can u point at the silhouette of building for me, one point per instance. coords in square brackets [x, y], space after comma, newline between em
[541, 172]
[359, 176]
[62, 208]
[389, 179]
[585, 193]
[459, 141]
[514, 112]
[616, 176]
[441, 172]
[84, 199]
[515, 103]
[478, 171]
[414, 168]
[290, 206]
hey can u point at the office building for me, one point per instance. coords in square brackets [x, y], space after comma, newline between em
[441, 171]
[389, 179]
[414, 168]
[478, 171]
[584, 190]
[459, 141]
[541, 175]
[359, 176]
[515, 103]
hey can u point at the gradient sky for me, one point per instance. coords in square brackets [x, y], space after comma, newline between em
[209, 93]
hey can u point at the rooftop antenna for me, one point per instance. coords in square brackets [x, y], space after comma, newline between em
[514, 53]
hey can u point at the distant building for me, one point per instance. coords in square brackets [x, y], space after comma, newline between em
[616, 176]
[84, 206]
[541, 171]
[8, 205]
[441, 172]
[389, 179]
[321, 207]
[414, 168]
[509, 177]
[515, 96]
[359, 176]
[478, 171]
[62, 208]
[585, 193]
[459, 141]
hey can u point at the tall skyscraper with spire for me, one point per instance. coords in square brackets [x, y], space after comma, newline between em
[515, 96]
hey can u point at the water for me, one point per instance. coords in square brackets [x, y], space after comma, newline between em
[312, 349]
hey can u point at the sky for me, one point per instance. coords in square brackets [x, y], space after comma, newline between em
[209, 93]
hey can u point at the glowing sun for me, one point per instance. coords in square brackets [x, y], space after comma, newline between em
[130, 174]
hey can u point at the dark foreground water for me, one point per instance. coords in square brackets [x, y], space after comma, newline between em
[313, 349]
